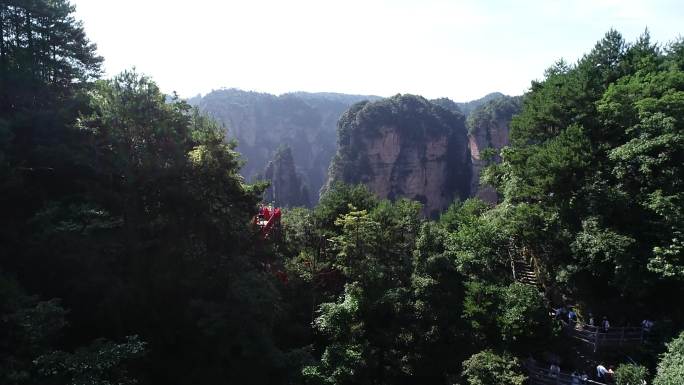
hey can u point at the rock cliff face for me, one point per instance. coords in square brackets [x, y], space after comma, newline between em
[286, 188]
[488, 128]
[404, 146]
[261, 123]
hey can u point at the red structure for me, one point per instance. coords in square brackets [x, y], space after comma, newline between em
[267, 220]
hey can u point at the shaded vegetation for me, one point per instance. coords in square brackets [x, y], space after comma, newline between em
[128, 254]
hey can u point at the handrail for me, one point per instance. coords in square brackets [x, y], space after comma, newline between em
[510, 256]
[542, 376]
[596, 336]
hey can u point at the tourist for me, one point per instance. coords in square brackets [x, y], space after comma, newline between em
[557, 312]
[601, 372]
[554, 370]
[605, 324]
[647, 325]
[584, 377]
[575, 378]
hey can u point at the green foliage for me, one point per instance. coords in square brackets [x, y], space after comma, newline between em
[595, 163]
[340, 320]
[480, 302]
[465, 213]
[32, 33]
[514, 314]
[437, 292]
[412, 114]
[399, 315]
[124, 212]
[476, 243]
[468, 107]
[29, 327]
[358, 246]
[303, 240]
[523, 315]
[337, 199]
[99, 363]
[493, 112]
[489, 368]
[671, 366]
[602, 251]
[630, 374]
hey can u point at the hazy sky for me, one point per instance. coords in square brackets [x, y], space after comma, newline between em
[458, 49]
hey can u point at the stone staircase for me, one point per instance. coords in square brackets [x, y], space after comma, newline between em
[523, 272]
[583, 340]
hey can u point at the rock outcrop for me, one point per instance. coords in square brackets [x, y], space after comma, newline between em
[489, 128]
[286, 189]
[404, 146]
[261, 123]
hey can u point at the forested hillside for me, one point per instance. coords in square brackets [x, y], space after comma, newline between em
[130, 250]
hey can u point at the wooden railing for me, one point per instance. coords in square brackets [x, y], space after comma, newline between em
[597, 337]
[541, 376]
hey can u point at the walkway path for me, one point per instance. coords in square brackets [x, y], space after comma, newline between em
[523, 272]
[541, 376]
[597, 337]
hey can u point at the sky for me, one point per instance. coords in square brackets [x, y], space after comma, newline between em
[435, 48]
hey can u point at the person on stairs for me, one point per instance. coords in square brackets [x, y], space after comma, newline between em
[572, 317]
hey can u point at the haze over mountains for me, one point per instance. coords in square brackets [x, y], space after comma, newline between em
[291, 139]
[262, 123]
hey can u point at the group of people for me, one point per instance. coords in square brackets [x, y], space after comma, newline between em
[605, 324]
[603, 374]
[568, 314]
[576, 377]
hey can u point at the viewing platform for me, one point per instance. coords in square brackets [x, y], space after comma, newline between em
[614, 337]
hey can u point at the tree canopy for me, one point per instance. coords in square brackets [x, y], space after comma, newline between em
[129, 252]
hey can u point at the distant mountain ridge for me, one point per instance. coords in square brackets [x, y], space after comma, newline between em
[468, 107]
[307, 124]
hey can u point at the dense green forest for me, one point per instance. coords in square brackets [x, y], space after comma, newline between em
[128, 254]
